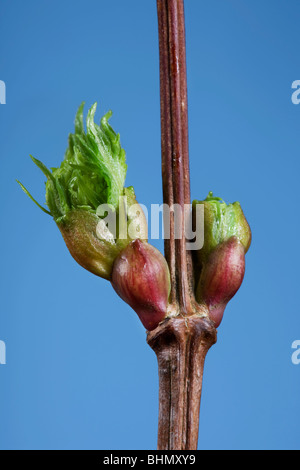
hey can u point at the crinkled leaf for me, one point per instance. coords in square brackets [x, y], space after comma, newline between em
[93, 171]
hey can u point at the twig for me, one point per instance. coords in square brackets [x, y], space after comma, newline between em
[181, 342]
[174, 138]
[181, 346]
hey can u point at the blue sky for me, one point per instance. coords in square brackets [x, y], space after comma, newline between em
[79, 373]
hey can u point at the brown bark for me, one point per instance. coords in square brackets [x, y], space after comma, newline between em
[182, 341]
[174, 141]
[181, 345]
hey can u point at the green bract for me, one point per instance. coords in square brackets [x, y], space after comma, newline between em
[93, 174]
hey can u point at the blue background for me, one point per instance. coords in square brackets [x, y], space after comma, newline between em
[79, 373]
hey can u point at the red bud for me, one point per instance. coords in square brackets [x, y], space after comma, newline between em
[221, 277]
[141, 278]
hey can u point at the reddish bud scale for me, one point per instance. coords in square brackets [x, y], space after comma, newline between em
[141, 278]
[221, 277]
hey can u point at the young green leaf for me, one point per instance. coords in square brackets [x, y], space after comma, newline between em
[93, 171]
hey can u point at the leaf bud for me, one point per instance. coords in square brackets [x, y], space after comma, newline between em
[141, 277]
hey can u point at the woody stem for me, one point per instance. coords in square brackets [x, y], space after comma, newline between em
[174, 143]
[182, 340]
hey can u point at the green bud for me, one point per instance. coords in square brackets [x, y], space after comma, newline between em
[79, 230]
[221, 222]
[88, 188]
[220, 264]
